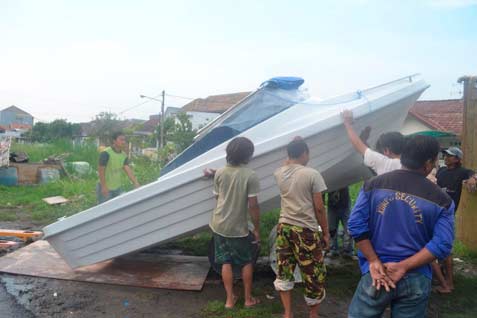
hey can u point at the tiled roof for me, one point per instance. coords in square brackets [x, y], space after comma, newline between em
[442, 115]
[20, 126]
[215, 103]
[17, 110]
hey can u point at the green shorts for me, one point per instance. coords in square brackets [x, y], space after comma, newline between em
[300, 246]
[232, 250]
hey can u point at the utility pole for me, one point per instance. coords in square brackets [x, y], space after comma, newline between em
[159, 144]
[466, 218]
[163, 120]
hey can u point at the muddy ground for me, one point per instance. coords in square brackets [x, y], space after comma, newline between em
[38, 297]
[25, 297]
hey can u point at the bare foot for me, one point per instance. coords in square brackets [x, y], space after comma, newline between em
[251, 302]
[443, 290]
[230, 303]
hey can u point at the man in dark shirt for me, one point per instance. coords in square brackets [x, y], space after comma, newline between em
[450, 179]
[339, 204]
[451, 176]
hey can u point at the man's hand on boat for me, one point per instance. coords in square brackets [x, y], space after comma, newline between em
[209, 173]
[347, 116]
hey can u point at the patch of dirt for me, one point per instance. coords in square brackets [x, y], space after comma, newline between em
[22, 219]
[58, 298]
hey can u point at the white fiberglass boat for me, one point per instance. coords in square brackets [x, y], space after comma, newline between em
[181, 201]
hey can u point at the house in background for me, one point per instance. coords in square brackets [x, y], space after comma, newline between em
[443, 119]
[14, 118]
[215, 103]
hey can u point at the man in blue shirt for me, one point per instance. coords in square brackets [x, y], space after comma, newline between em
[401, 223]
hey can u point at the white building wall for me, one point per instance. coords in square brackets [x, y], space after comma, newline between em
[412, 125]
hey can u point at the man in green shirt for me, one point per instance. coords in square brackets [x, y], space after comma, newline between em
[113, 161]
[236, 188]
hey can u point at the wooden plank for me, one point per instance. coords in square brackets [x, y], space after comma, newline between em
[24, 235]
[153, 271]
[56, 200]
[466, 218]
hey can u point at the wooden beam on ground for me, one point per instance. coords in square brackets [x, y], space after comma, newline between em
[23, 235]
[466, 216]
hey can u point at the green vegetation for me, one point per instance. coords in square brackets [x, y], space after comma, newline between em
[38, 151]
[81, 191]
[48, 132]
[461, 303]
[215, 309]
[463, 252]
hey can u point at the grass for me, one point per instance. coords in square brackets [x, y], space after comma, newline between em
[463, 252]
[215, 309]
[81, 191]
[37, 152]
[461, 303]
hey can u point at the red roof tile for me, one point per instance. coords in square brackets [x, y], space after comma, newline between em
[442, 115]
[20, 126]
[215, 103]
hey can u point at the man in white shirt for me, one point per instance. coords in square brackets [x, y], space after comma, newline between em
[389, 146]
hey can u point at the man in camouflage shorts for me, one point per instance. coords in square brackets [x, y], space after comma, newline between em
[299, 241]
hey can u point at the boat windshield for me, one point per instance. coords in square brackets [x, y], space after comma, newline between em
[270, 99]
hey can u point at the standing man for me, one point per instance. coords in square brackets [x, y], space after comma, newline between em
[299, 239]
[112, 162]
[388, 146]
[236, 188]
[450, 178]
[339, 204]
[404, 221]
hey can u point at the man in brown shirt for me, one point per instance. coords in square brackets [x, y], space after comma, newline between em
[299, 238]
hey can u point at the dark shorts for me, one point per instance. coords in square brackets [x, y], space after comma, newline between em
[232, 250]
[112, 194]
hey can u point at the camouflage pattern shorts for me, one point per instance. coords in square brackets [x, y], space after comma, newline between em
[300, 246]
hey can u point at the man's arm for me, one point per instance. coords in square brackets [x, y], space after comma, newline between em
[320, 213]
[102, 180]
[103, 161]
[376, 268]
[355, 140]
[131, 175]
[254, 211]
[358, 227]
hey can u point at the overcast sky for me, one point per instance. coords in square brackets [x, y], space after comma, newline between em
[74, 59]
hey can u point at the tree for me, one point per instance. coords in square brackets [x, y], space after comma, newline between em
[57, 129]
[104, 125]
[183, 133]
[169, 128]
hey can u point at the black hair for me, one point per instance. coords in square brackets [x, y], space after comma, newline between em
[239, 151]
[116, 134]
[418, 150]
[296, 148]
[394, 141]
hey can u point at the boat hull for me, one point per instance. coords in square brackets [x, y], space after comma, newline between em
[181, 202]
